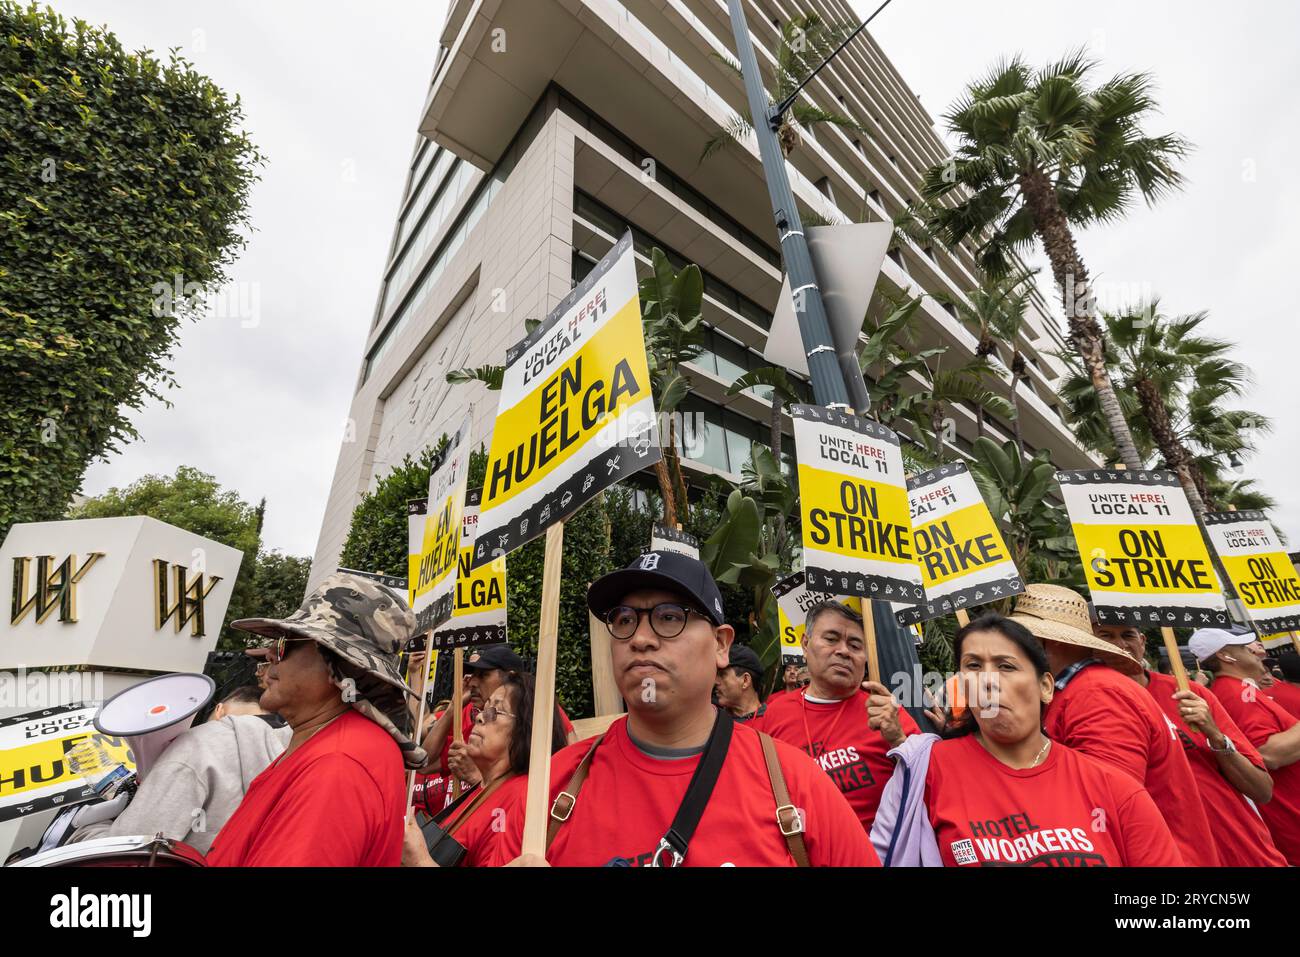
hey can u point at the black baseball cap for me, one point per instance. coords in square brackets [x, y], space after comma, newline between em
[669, 571]
[744, 658]
[490, 657]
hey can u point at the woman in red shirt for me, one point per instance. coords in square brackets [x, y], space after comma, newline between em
[997, 792]
[499, 747]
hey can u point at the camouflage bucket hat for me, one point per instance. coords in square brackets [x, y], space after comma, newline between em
[360, 620]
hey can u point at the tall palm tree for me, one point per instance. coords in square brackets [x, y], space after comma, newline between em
[995, 311]
[1176, 382]
[1039, 156]
[806, 40]
[769, 382]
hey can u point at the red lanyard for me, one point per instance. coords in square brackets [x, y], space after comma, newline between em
[803, 711]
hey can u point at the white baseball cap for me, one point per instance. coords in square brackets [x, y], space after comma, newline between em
[1206, 641]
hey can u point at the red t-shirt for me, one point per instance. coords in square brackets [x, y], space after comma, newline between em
[337, 801]
[1287, 695]
[467, 725]
[1240, 835]
[1070, 811]
[630, 798]
[1260, 717]
[1110, 717]
[488, 842]
[836, 736]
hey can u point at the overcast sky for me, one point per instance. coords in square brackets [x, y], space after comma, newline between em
[332, 93]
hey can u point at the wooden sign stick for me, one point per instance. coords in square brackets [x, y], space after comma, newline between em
[1175, 658]
[963, 618]
[869, 633]
[418, 734]
[458, 711]
[537, 807]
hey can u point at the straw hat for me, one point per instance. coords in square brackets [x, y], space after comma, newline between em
[1054, 613]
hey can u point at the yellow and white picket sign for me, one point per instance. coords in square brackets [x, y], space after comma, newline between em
[1260, 569]
[1142, 551]
[479, 614]
[35, 771]
[857, 532]
[793, 599]
[576, 413]
[963, 559]
[433, 580]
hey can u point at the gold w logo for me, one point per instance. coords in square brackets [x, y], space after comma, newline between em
[187, 609]
[56, 587]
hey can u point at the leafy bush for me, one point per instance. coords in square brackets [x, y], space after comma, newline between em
[121, 178]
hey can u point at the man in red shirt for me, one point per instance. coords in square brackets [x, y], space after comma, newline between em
[1099, 711]
[664, 614]
[1230, 773]
[1271, 728]
[847, 726]
[336, 796]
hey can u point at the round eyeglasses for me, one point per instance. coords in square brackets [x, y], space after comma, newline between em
[667, 619]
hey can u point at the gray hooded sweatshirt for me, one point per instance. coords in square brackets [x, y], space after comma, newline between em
[197, 783]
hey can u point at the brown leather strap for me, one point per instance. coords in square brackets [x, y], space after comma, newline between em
[787, 815]
[562, 806]
[483, 795]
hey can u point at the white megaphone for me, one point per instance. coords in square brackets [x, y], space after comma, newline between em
[152, 714]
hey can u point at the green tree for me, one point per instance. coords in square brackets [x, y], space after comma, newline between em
[911, 391]
[1040, 155]
[1036, 530]
[122, 178]
[1175, 382]
[269, 584]
[806, 40]
[995, 312]
[377, 537]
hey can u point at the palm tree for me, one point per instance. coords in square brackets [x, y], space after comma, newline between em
[769, 382]
[1175, 381]
[1039, 156]
[911, 389]
[996, 311]
[806, 40]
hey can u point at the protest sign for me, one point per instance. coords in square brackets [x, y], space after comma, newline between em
[479, 614]
[433, 577]
[666, 538]
[433, 581]
[857, 533]
[35, 771]
[1143, 555]
[1255, 560]
[576, 413]
[963, 560]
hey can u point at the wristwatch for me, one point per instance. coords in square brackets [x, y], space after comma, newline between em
[1228, 745]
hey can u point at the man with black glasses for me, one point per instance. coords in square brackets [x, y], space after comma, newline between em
[677, 782]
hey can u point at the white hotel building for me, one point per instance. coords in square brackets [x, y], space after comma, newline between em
[550, 128]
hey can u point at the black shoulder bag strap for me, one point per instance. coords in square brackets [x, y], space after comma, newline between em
[698, 792]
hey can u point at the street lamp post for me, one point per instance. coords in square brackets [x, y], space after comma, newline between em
[836, 376]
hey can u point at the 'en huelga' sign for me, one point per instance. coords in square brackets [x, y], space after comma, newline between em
[963, 560]
[1142, 551]
[1258, 565]
[434, 582]
[576, 414]
[857, 532]
[479, 615]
